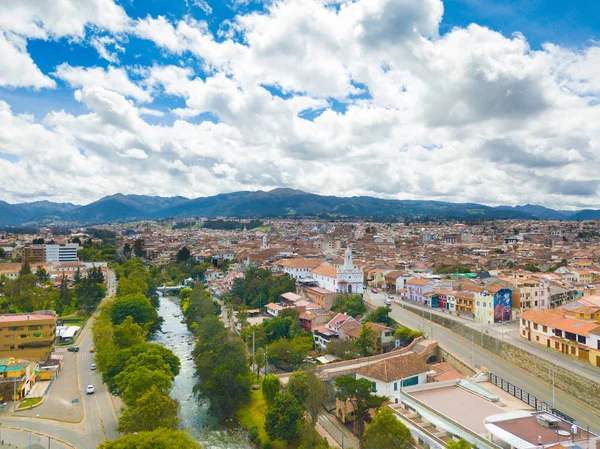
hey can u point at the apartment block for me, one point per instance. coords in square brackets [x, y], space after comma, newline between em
[28, 336]
[62, 253]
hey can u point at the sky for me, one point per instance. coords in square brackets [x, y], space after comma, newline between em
[488, 101]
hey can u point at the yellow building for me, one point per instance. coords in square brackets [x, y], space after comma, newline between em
[17, 377]
[28, 336]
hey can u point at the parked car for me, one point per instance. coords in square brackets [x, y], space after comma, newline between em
[93, 366]
[92, 349]
[374, 290]
[73, 349]
[90, 389]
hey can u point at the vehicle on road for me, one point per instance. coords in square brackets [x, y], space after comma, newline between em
[90, 389]
[93, 366]
[92, 349]
[390, 296]
[374, 290]
[73, 349]
[388, 302]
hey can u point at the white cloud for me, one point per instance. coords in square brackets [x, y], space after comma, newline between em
[469, 115]
[134, 153]
[102, 45]
[113, 78]
[202, 4]
[17, 69]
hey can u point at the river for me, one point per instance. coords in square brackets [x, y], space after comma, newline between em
[194, 415]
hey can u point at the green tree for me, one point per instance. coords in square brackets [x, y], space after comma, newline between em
[128, 334]
[387, 432]
[310, 391]
[224, 376]
[380, 315]
[351, 305]
[358, 392]
[136, 380]
[406, 335]
[270, 387]
[183, 255]
[344, 349]
[138, 248]
[139, 308]
[2, 253]
[283, 418]
[64, 299]
[460, 444]
[157, 439]
[152, 410]
[25, 268]
[127, 251]
[41, 274]
[365, 343]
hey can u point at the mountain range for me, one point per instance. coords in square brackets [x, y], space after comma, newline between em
[277, 202]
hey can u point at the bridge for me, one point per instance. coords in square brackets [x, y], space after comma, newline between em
[164, 289]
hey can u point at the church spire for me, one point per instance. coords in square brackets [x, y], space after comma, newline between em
[348, 259]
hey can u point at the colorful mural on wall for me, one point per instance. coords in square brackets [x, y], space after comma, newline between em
[503, 305]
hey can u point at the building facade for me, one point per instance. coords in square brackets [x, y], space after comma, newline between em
[29, 336]
[62, 253]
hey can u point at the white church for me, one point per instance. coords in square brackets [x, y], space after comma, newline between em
[339, 279]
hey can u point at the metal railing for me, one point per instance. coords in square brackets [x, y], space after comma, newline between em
[528, 398]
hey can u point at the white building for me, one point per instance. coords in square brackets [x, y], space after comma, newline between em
[349, 278]
[62, 253]
[390, 375]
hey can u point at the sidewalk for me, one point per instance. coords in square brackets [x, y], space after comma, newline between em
[509, 332]
[336, 431]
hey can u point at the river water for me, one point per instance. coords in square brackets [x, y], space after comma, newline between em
[194, 415]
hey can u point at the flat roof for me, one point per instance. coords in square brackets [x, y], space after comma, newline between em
[472, 411]
[25, 317]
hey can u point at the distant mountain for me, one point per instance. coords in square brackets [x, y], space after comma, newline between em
[541, 212]
[278, 202]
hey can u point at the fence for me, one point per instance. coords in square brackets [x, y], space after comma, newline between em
[528, 398]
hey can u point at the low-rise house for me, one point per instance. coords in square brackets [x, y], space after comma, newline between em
[389, 376]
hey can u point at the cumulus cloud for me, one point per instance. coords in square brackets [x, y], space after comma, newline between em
[361, 97]
[17, 69]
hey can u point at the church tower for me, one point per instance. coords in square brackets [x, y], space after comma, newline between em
[348, 265]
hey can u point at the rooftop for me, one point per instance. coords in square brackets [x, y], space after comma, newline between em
[16, 317]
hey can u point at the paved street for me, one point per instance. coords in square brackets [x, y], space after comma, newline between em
[469, 352]
[510, 332]
[336, 429]
[97, 414]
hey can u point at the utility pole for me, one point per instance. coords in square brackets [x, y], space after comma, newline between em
[253, 365]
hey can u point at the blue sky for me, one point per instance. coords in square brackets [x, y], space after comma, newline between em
[348, 97]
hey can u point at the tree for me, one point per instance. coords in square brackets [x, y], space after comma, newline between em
[283, 418]
[136, 380]
[157, 439]
[351, 305]
[25, 268]
[152, 410]
[358, 392]
[289, 351]
[183, 255]
[41, 274]
[77, 276]
[380, 315]
[387, 432]
[365, 343]
[460, 444]
[224, 376]
[2, 253]
[138, 248]
[128, 334]
[309, 390]
[127, 251]
[64, 299]
[406, 335]
[270, 388]
[139, 308]
[344, 349]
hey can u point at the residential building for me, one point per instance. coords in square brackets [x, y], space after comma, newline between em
[416, 289]
[28, 336]
[298, 268]
[389, 376]
[34, 254]
[17, 377]
[563, 331]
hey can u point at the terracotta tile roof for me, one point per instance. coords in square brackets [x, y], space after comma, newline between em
[378, 327]
[299, 263]
[556, 319]
[324, 270]
[419, 281]
[396, 368]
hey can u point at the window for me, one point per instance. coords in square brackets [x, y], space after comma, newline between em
[410, 381]
[373, 387]
[535, 326]
[545, 328]
[395, 386]
[580, 339]
[537, 338]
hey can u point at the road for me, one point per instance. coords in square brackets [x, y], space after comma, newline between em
[470, 352]
[100, 421]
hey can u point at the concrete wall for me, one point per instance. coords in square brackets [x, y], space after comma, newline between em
[583, 389]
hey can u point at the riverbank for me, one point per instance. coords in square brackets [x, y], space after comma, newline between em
[193, 412]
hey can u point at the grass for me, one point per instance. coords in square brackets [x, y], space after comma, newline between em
[254, 414]
[30, 402]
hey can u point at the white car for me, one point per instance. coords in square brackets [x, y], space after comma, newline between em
[388, 302]
[93, 366]
[90, 389]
